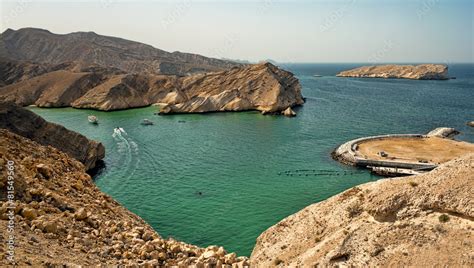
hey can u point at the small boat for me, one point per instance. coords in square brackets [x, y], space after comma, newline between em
[93, 119]
[146, 122]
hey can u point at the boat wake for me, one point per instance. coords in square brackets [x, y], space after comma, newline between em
[127, 152]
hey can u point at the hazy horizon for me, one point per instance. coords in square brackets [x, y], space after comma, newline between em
[431, 31]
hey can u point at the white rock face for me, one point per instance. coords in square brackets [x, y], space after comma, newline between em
[263, 87]
[443, 132]
[417, 72]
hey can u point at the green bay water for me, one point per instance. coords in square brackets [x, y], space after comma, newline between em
[223, 178]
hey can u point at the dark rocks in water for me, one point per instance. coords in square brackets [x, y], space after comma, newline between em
[30, 125]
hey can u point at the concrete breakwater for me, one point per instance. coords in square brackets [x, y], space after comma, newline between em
[347, 153]
[400, 154]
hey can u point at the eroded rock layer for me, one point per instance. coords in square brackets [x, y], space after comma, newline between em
[263, 87]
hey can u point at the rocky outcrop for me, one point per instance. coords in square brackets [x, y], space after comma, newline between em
[91, 49]
[423, 220]
[418, 72]
[471, 123]
[27, 124]
[443, 132]
[262, 87]
[63, 220]
[288, 112]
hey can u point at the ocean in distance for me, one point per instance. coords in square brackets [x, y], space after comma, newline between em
[223, 178]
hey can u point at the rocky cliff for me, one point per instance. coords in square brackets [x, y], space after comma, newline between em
[61, 219]
[27, 124]
[423, 220]
[262, 87]
[419, 72]
[91, 49]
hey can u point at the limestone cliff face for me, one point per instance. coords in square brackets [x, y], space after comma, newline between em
[418, 72]
[263, 87]
[27, 124]
[63, 220]
[423, 220]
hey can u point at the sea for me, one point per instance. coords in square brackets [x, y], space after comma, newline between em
[224, 178]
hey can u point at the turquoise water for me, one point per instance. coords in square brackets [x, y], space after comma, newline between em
[254, 170]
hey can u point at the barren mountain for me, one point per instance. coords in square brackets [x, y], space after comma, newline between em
[417, 221]
[417, 72]
[91, 49]
[263, 87]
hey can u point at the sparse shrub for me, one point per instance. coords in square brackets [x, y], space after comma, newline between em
[413, 184]
[277, 261]
[354, 210]
[440, 228]
[443, 218]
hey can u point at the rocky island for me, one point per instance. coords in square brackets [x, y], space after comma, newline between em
[114, 78]
[417, 72]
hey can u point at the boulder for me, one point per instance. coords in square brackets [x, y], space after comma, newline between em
[288, 112]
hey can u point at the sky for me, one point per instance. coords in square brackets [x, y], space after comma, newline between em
[437, 31]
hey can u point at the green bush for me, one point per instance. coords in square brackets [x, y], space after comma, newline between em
[443, 218]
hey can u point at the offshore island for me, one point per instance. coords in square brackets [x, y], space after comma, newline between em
[416, 72]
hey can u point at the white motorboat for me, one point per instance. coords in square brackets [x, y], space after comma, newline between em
[93, 119]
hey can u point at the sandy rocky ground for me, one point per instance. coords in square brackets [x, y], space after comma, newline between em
[63, 219]
[419, 221]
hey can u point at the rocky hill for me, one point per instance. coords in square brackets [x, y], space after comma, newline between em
[91, 49]
[27, 124]
[417, 221]
[87, 70]
[263, 87]
[418, 72]
[63, 220]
